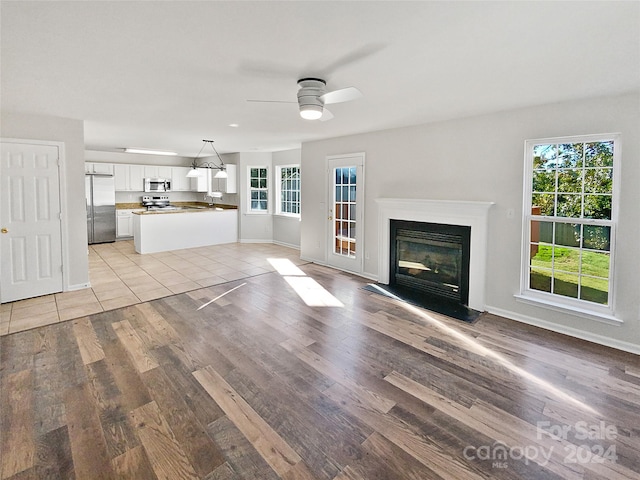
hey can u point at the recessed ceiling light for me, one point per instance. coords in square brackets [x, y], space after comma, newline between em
[234, 125]
[149, 152]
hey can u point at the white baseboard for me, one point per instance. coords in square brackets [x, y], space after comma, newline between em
[78, 286]
[255, 240]
[289, 245]
[368, 276]
[570, 331]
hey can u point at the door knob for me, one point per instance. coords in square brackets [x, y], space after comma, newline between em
[4, 230]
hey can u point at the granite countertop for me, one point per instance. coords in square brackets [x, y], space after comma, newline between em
[195, 207]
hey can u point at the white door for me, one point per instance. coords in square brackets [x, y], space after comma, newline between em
[31, 238]
[345, 215]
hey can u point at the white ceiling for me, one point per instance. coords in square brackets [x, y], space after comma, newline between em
[166, 75]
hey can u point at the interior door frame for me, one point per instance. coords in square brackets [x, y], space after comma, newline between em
[62, 192]
[361, 201]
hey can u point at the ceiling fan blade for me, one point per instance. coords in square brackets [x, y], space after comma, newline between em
[342, 95]
[326, 115]
[269, 101]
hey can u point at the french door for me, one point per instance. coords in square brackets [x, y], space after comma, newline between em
[31, 228]
[345, 200]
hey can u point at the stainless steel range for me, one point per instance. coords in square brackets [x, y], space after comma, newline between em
[157, 202]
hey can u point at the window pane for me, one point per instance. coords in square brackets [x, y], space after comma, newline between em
[352, 175]
[254, 204]
[565, 284]
[596, 237]
[569, 206]
[566, 259]
[543, 256]
[599, 154]
[345, 176]
[540, 279]
[263, 173]
[595, 290]
[544, 181]
[544, 202]
[254, 195]
[567, 234]
[352, 194]
[345, 194]
[544, 156]
[597, 206]
[254, 183]
[570, 181]
[254, 172]
[570, 155]
[595, 264]
[263, 183]
[598, 180]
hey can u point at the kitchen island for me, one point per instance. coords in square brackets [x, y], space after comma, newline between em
[158, 231]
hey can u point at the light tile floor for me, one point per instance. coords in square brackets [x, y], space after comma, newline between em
[119, 277]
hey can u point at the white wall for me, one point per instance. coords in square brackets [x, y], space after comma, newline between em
[482, 159]
[286, 230]
[71, 133]
[253, 227]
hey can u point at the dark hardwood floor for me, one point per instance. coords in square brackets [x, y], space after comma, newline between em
[259, 385]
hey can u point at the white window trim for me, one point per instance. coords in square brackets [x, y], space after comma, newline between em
[583, 308]
[249, 211]
[278, 185]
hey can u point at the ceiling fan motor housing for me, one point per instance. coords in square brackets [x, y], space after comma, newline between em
[311, 89]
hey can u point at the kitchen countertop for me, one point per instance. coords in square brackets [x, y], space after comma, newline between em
[195, 207]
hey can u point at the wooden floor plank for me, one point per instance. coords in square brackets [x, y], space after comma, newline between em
[88, 446]
[134, 345]
[90, 348]
[202, 453]
[165, 454]
[276, 452]
[17, 449]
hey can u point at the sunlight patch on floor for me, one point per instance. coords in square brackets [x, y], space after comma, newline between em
[475, 346]
[310, 291]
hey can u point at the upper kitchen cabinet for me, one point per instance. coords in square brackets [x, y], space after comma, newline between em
[201, 183]
[154, 171]
[231, 182]
[179, 180]
[102, 168]
[129, 178]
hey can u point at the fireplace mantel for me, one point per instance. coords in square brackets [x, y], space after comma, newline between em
[450, 212]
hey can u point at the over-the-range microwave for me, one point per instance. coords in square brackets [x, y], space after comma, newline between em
[152, 185]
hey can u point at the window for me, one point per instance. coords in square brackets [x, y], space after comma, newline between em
[288, 190]
[258, 190]
[569, 221]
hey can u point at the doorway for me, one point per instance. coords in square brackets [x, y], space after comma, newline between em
[30, 220]
[345, 198]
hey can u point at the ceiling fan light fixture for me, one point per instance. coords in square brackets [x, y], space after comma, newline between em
[311, 112]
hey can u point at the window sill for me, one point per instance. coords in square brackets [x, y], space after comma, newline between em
[257, 212]
[570, 309]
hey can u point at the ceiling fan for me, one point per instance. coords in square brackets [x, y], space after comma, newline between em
[312, 97]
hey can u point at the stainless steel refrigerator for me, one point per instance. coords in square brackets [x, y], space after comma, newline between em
[101, 208]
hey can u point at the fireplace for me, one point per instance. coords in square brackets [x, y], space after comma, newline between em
[471, 214]
[430, 259]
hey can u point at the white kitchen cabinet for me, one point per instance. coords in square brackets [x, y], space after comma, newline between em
[155, 171]
[202, 183]
[102, 168]
[231, 182]
[129, 178]
[179, 180]
[124, 222]
[136, 178]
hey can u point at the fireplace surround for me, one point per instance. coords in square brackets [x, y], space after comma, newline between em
[447, 212]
